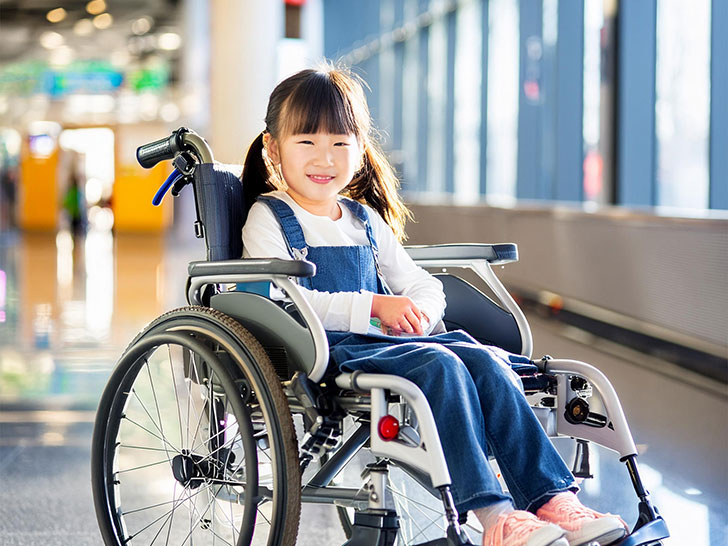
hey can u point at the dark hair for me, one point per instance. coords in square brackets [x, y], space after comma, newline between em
[327, 100]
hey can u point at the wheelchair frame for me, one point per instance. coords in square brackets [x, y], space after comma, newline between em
[418, 451]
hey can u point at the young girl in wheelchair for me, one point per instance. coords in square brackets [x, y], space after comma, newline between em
[328, 195]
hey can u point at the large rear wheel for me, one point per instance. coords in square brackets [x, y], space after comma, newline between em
[194, 442]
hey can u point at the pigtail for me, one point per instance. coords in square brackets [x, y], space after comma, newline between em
[376, 184]
[256, 176]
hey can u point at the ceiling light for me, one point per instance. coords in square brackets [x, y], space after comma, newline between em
[142, 25]
[169, 112]
[90, 104]
[51, 40]
[56, 15]
[169, 41]
[103, 21]
[96, 6]
[83, 27]
[61, 56]
[120, 58]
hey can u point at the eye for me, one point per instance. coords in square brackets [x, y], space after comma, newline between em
[341, 144]
[305, 142]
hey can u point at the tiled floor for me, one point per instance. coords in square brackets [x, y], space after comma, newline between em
[68, 308]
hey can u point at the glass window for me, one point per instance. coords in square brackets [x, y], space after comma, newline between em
[386, 75]
[410, 94]
[469, 73]
[437, 95]
[682, 108]
[593, 160]
[503, 89]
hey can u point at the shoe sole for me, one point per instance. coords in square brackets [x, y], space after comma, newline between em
[603, 539]
[548, 536]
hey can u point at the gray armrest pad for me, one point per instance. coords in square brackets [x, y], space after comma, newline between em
[496, 254]
[270, 266]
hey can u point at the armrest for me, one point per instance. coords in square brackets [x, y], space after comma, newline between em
[253, 266]
[496, 254]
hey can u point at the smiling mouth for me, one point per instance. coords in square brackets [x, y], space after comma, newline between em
[320, 179]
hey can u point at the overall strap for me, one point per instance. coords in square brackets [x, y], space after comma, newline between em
[292, 230]
[358, 210]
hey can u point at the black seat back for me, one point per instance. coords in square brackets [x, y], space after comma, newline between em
[471, 310]
[222, 210]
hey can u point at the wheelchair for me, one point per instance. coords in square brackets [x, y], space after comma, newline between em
[221, 418]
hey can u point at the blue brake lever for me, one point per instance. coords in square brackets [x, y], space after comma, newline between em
[164, 188]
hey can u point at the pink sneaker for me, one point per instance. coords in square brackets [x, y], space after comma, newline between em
[582, 525]
[519, 528]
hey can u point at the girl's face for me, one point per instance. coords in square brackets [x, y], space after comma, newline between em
[316, 167]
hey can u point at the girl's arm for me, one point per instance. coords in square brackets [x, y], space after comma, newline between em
[406, 278]
[340, 311]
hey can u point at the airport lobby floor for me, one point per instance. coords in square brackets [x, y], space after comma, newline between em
[68, 308]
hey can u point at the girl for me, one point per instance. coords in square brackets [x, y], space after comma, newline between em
[328, 195]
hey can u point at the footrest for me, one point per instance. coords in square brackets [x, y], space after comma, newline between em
[443, 542]
[647, 534]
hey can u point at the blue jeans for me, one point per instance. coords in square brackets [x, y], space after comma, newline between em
[479, 408]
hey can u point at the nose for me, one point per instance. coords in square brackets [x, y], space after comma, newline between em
[324, 156]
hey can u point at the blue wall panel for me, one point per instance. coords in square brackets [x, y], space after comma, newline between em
[567, 184]
[636, 103]
[484, 101]
[529, 110]
[423, 106]
[348, 24]
[450, 105]
[719, 107]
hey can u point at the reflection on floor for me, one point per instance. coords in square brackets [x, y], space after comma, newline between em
[69, 307]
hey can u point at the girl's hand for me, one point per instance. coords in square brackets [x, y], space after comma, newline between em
[398, 313]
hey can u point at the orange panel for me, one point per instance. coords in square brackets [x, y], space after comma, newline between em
[131, 200]
[38, 206]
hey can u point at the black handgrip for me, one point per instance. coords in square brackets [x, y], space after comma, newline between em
[150, 154]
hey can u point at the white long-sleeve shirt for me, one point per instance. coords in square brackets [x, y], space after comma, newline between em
[345, 311]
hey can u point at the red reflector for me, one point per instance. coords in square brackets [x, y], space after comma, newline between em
[388, 428]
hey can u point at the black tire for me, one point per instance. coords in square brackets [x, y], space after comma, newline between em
[237, 427]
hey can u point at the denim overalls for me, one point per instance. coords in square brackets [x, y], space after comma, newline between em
[478, 408]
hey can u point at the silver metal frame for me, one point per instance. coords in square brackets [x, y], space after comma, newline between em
[483, 269]
[292, 290]
[427, 455]
[200, 145]
[619, 438]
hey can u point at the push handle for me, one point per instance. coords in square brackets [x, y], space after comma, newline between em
[164, 149]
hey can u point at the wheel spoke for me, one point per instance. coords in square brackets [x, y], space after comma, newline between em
[154, 395]
[127, 446]
[174, 499]
[176, 394]
[230, 518]
[161, 527]
[420, 507]
[140, 531]
[163, 440]
[202, 412]
[211, 453]
[199, 519]
[171, 517]
[141, 466]
[133, 391]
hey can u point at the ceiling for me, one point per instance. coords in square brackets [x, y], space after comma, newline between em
[23, 22]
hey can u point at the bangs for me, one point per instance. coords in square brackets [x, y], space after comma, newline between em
[319, 105]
